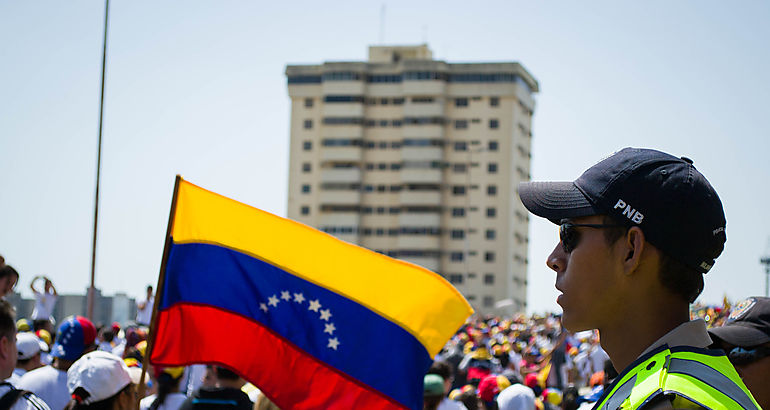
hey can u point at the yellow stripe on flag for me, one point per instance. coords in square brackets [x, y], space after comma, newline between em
[420, 301]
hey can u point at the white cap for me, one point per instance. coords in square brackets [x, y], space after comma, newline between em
[29, 345]
[101, 374]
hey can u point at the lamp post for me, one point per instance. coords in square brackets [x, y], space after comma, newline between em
[92, 289]
[766, 261]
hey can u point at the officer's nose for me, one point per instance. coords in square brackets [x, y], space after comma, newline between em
[557, 260]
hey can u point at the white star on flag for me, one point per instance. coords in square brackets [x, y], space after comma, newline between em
[299, 297]
[285, 295]
[272, 301]
[329, 328]
[333, 343]
[263, 307]
[314, 305]
[325, 314]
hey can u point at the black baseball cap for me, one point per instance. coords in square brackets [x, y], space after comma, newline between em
[748, 324]
[674, 205]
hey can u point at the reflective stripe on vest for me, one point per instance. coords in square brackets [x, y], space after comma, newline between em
[704, 377]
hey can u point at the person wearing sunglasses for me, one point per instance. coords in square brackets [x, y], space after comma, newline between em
[745, 337]
[637, 232]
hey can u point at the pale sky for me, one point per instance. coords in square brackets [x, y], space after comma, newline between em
[197, 88]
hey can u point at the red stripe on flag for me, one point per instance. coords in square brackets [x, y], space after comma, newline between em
[290, 377]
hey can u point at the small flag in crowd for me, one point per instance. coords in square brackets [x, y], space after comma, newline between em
[311, 320]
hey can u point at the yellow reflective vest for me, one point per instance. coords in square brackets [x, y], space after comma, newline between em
[703, 376]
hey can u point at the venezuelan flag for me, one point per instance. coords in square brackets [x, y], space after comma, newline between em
[314, 322]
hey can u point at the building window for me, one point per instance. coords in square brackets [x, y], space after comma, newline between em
[494, 101]
[491, 212]
[457, 234]
[456, 256]
[308, 124]
[492, 168]
[458, 212]
[305, 210]
[305, 167]
[461, 124]
[489, 279]
[491, 190]
[308, 103]
[458, 190]
[494, 124]
[307, 145]
[380, 209]
[490, 234]
[489, 301]
[379, 231]
[461, 146]
[425, 99]
[459, 167]
[383, 145]
[456, 278]
[489, 256]
[461, 102]
[492, 146]
[305, 189]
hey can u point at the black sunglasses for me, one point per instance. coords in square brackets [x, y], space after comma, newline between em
[740, 356]
[569, 236]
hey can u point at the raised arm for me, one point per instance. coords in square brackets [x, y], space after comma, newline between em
[32, 284]
[53, 288]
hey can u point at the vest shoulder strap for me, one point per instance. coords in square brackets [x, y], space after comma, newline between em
[704, 377]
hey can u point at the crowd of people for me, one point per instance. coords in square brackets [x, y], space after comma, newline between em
[533, 363]
[522, 362]
[80, 365]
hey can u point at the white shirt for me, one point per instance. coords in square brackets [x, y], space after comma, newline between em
[49, 384]
[16, 376]
[144, 316]
[447, 404]
[25, 402]
[173, 401]
[44, 304]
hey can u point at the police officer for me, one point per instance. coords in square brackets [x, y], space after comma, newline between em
[637, 232]
[745, 337]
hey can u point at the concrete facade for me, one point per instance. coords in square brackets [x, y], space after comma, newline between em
[419, 159]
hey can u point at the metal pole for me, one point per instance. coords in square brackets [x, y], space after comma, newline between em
[159, 288]
[92, 288]
[766, 261]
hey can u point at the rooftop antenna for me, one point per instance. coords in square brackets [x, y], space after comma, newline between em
[382, 24]
[765, 260]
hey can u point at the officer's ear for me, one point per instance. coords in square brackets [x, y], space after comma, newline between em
[634, 244]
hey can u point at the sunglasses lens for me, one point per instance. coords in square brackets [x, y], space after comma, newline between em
[568, 236]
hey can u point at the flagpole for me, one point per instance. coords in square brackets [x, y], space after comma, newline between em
[159, 287]
[92, 288]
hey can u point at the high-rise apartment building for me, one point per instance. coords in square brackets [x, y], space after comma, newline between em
[418, 159]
